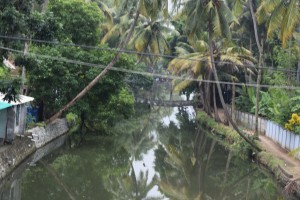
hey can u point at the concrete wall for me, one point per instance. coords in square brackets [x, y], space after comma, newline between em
[10, 186]
[20, 128]
[41, 135]
[286, 139]
[12, 155]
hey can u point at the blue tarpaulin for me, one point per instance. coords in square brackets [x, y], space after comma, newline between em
[32, 114]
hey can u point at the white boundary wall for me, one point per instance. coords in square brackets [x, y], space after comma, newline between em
[286, 139]
[248, 121]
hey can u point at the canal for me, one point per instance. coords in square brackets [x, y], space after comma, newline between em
[160, 154]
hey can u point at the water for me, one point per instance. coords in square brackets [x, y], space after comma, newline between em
[158, 155]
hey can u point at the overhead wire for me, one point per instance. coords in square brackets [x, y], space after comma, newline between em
[171, 77]
[136, 52]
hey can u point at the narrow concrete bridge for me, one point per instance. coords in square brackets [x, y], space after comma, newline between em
[164, 103]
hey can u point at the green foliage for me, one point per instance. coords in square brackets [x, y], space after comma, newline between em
[108, 99]
[32, 124]
[122, 103]
[270, 161]
[245, 99]
[13, 16]
[230, 138]
[44, 26]
[286, 58]
[8, 85]
[72, 119]
[274, 104]
[295, 153]
[80, 21]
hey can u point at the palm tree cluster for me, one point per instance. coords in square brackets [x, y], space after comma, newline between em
[199, 34]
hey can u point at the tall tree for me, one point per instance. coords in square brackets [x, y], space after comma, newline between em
[149, 9]
[260, 64]
[215, 18]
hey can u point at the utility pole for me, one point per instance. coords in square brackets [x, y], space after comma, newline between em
[23, 89]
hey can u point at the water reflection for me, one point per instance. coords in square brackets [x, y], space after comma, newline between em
[191, 165]
[162, 154]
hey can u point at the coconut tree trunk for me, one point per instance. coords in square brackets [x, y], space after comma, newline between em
[69, 192]
[207, 93]
[211, 150]
[248, 188]
[134, 180]
[233, 103]
[216, 112]
[227, 167]
[260, 63]
[106, 69]
[226, 112]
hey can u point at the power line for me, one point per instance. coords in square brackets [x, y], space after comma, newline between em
[137, 53]
[171, 77]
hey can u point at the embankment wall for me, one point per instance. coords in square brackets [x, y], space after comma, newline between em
[13, 155]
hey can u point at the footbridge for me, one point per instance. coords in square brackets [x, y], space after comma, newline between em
[166, 103]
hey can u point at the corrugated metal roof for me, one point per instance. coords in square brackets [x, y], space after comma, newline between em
[4, 105]
[21, 99]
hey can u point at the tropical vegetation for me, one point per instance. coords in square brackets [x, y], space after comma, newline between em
[68, 43]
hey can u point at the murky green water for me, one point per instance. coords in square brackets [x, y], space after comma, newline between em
[161, 155]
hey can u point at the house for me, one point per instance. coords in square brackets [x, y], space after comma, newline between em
[13, 117]
[3, 119]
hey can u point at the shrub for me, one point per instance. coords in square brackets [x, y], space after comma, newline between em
[293, 123]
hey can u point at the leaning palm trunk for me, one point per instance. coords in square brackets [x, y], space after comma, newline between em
[207, 96]
[216, 113]
[235, 127]
[233, 102]
[260, 49]
[106, 69]
[70, 193]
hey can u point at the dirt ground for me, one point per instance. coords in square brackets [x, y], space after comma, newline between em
[291, 165]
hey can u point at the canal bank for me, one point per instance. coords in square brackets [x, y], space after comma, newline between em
[25, 145]
[274, 159]
[161, 154]
[167, 150]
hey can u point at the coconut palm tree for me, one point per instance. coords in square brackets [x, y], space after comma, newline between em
[281, 15]
[214, 17]
[194, 62]
[131, 187]
[149, 35]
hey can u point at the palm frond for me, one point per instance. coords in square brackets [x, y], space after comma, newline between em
[106, 11]
[276, 18]
[289, 21]
[232, 59]
[182, 85]
[201, 46]
[109, 33]
[265, 9]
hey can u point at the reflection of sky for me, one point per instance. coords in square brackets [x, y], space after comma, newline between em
[148, 160]
[149, 157]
